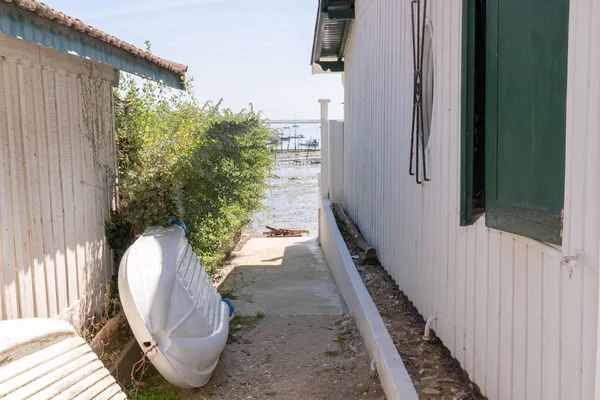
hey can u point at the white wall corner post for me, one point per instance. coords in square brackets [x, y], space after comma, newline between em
[324, 148]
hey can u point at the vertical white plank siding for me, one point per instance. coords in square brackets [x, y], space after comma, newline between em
[31, 170]
[336, 161]
[521, 322]
[57, 165]
[583, 188]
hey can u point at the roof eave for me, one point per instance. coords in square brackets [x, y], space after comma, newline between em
[328, 14]
[26, 25]
[318, 37]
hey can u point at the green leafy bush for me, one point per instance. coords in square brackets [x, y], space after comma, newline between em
[179, 159]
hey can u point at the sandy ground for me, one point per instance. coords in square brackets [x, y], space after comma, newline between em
[297, 357]
[303, 344]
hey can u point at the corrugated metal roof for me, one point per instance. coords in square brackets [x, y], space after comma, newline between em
[334, 21]
[24, 19]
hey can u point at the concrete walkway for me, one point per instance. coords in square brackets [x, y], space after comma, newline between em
[304, 347]
[283, 276]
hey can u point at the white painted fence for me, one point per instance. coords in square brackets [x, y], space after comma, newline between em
[521, 323]
[324, 176]
[57, 165]
[336, 161]
[332, 158]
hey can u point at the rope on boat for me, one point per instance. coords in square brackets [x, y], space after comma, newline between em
[139, 365]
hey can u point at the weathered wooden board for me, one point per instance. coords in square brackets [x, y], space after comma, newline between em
[45, 359]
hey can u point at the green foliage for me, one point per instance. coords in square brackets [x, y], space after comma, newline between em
[210, 390]
[112, 300]
[239, 319]
[363, 389]
[119, 233]
[179, 159]
[155, 387]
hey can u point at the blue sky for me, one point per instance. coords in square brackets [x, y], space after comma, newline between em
[240, 50]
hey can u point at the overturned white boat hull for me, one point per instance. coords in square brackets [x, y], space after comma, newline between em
[172, 307]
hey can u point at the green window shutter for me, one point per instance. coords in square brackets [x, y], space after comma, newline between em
[526, 80]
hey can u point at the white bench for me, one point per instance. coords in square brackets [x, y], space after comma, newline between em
[44, 358]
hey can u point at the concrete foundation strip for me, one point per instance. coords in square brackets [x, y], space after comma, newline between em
[394, 377]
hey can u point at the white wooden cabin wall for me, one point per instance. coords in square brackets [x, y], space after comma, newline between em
[520, 322]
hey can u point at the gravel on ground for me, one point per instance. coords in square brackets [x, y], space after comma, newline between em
[294, 357]
[434, 372]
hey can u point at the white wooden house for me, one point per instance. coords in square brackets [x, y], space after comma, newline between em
[57, 158]
[500, 238]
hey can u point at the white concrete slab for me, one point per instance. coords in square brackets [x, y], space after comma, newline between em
[283, 276]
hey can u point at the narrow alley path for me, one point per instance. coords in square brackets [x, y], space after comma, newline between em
[292, 338]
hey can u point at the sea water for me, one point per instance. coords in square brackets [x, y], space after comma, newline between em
[291, 200]
[310, 132]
